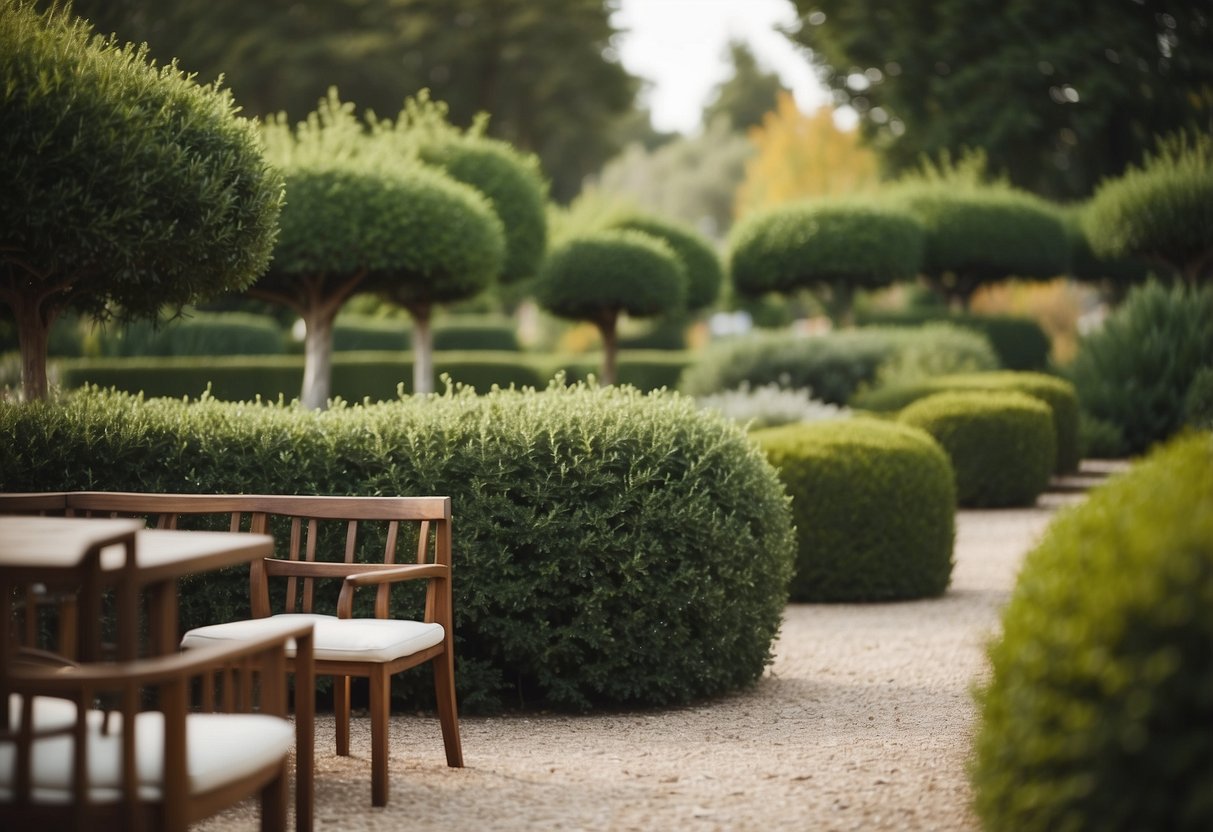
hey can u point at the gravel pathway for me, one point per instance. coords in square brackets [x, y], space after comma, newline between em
[863, 722]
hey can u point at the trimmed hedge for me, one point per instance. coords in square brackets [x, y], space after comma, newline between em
[1098, 709]
[1001, 443]
[611, 549]
[378, 376]
[358, 333]
[1020, 343]
[199, 333]
[1057, 393]
[874, 507]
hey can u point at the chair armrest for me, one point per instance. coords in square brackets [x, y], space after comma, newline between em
[382, 577]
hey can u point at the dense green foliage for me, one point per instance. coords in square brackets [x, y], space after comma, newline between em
[1135, 370]
[1057, 393]
[352, 333]
[127, 186]
[977, 234]
[837, 245]
[1060, 95]
[700, 264]
[198, 333]
[1162, 211]
[468, 332]
[1198, 403]
[611, 549]
[1001, 443]
[874, 506]
[1097, 711]
[1020, 343]
[836, 365]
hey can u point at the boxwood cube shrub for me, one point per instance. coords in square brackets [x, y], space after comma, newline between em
[1097, 712]
[1058, 393]
[611, 548]
[1001, 444]
[874, 507]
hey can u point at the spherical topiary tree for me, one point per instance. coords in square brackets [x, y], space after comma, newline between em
[362, 217]
[1097, 712]
[1001, 444]
[978, 234]
[598, 276]
[874, 506]
[1162, 211]
[704, 273]
[126, 186]
[832, 244]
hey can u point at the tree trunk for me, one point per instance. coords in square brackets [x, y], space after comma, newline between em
[33, 334]
[317, 358]
[423, 350]
[610, 347]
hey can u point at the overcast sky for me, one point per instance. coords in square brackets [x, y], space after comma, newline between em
[681, 46]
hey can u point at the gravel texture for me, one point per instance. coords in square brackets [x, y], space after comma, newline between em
[863, 722]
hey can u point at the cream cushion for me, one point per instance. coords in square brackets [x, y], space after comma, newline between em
[336, 639]
[220, 749]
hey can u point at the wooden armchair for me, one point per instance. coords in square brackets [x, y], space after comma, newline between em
[65, 764]
[374, 648]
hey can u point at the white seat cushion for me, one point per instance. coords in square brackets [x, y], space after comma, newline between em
[337, 639]
[220, 749]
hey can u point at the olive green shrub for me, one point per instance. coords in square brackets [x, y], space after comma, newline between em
[874, 506]
[1002, 444]
[611, 549]
[1134, 371]
[700, 263]
[1097, 711]
[1058, 393]
[1019, 343]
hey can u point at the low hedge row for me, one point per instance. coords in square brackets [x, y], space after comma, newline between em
[874, 506]
[1097, 712]
[1058, 393]
[356, 375]
[611, 548]
[1020, 343]
[1001, 443]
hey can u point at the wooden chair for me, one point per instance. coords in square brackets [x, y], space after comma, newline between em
[373, 648]
[64, 764]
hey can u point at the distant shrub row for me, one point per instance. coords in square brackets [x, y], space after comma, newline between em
[611, 548]
[1020, 343]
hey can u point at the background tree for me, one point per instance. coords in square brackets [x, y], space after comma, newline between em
[800, 156]
[835, 245]
[601, 275]
[127, 187]
[700, 263]
[1162, 211]
[690, 179]
[747, 94]
[363, 217]
[1059, 95]
[544, 69]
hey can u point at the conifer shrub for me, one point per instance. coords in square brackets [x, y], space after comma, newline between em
[610, 548]
[874, 507]
[1097, 711]
[1001, 443]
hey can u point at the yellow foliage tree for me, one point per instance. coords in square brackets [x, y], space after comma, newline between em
[802, 155]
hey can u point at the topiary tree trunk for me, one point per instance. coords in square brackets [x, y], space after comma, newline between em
[608, 328]
[423, 347]
[34, 321]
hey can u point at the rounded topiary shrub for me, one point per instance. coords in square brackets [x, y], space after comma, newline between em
[1098, 710]
[1001, 444]
[611, 548]
[874, 506]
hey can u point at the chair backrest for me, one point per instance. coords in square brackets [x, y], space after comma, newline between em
[317, 537]
[39, 502]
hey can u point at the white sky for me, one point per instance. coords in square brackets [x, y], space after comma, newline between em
[681, 46]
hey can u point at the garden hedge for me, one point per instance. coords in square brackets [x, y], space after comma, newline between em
[874, 506]
[611, 548]
[198, 333]
[1057, 393]
[1001, 443]
[1020, 343]
[1097, 712]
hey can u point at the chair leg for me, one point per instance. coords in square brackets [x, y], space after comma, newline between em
[380, 684]
[341, 713]
[273, 802]
[448, 713]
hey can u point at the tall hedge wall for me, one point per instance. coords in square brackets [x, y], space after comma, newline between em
[611, 548]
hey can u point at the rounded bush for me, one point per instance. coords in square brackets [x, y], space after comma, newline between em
[1001, 444]
[1097, 712]
[704, 273]
[874, 506]
[611, 548]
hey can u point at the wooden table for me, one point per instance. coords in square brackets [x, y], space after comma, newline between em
[94, 554]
